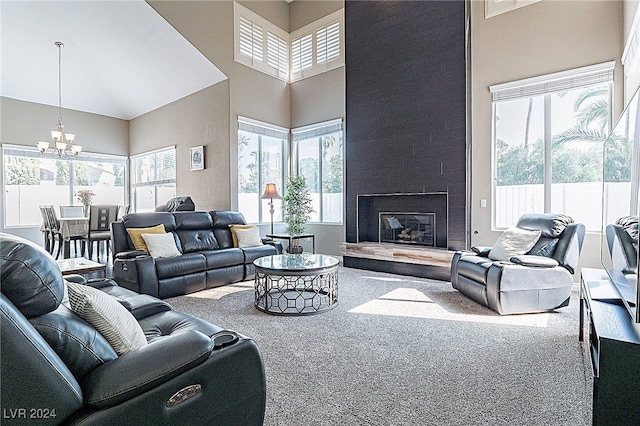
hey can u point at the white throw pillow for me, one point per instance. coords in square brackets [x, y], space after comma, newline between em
[249, 237]
[514, 242]
[161, 245]
[108, 316]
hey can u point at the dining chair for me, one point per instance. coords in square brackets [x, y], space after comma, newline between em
[100, 218]
[54, 229]
[46, 229]
[71, 211]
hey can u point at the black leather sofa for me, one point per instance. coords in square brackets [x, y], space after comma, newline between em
[58, 369]
[209, 258]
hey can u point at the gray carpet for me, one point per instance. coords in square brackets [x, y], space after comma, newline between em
[409, 351]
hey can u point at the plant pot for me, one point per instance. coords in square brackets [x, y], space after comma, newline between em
[295, 250]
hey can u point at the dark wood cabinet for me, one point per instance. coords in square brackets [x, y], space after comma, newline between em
[611, 341]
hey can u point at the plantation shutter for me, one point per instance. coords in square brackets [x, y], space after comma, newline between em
[302, 53]
[251, 39]
[328, 43]
[277, 53]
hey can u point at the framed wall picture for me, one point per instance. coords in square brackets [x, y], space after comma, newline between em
[197, 158]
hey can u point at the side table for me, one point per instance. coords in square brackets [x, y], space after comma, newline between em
[292, 238]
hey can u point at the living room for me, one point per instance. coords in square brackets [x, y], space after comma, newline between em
[396, 107]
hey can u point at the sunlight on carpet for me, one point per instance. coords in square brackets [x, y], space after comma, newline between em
[218, 293]
[413, 303]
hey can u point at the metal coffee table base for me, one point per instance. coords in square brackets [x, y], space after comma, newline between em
[294, 294]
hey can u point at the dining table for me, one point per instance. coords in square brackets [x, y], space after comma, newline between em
[71, 227]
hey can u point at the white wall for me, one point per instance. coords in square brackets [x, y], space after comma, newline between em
[542, 38]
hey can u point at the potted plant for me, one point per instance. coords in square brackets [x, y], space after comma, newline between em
[297, 208]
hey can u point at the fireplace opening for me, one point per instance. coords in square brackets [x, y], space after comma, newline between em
[417, 219]
[407, 228]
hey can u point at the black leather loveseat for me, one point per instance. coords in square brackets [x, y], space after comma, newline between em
[60, 363]
[208, 256]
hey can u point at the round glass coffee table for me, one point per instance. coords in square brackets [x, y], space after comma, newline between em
[296, 284]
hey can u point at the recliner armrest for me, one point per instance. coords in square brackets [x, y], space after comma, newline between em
[131, 254]
[534, 261]
[481, 250]
[143, 369]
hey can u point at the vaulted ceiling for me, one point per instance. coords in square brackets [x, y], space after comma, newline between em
[120, 58]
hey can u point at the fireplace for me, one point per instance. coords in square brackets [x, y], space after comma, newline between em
[407, 228]
[417, 219]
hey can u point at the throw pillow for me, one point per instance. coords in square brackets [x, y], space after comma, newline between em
[161, 245]
[513, 242]
[106, 315]
[136, 235]
[233, 232]
[249, 237]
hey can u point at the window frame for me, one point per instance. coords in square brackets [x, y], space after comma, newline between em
[263, 129]
[318, 130]
[545, 86]
[313, 29]
[151, 183]
[86, 156]
[242, 14]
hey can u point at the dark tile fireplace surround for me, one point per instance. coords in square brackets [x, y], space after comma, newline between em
[405, 140]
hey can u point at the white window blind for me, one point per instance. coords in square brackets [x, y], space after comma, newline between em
[553, 83]
[316, 130]
[260, 128]
[301, 53]
[328, 43]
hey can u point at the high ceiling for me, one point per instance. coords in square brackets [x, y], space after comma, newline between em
[120, 58]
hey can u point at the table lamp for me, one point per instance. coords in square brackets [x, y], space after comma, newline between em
[271, 192]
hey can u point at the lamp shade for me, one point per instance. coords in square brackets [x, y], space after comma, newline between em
[270, 191]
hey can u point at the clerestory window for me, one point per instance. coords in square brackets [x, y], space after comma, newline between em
[310, 50]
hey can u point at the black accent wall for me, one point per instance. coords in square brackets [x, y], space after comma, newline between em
[405, 104]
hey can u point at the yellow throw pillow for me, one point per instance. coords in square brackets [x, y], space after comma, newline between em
[233, 232]
[136, 235]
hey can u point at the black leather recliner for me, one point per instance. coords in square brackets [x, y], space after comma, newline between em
[58, 369]
[537, 281]
[177, 204]
[622, 240]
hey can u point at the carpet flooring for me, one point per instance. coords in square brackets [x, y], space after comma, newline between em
[409, 351]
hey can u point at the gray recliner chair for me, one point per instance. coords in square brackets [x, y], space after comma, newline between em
[538, 280]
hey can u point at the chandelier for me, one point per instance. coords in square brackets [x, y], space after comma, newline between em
[63, 141]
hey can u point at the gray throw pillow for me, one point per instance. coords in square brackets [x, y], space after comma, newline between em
[106, 315]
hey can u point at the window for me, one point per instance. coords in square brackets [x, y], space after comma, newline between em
[548, 137]
[261, 160]
[319, 158]
[32, 180]
[318, 47]
[313, 49]
[153, 179]
[260, 44]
